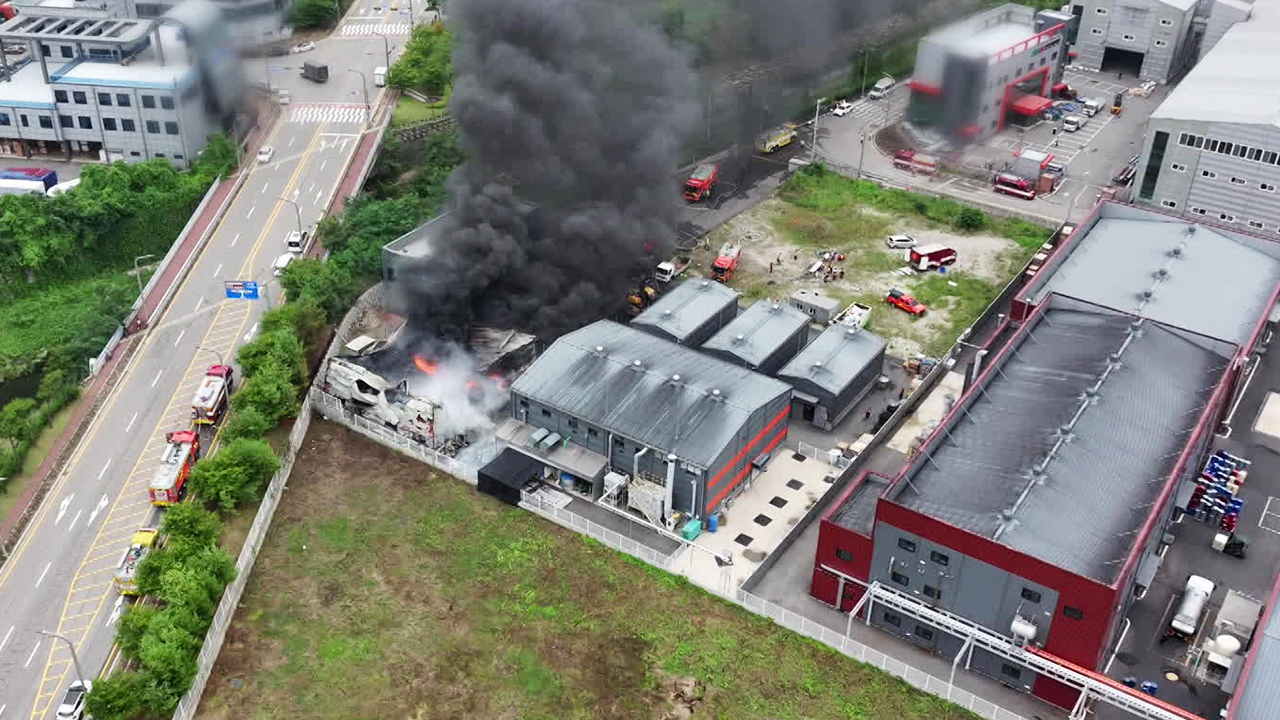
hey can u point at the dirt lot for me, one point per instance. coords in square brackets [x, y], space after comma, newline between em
[385, 590]
[798, 226]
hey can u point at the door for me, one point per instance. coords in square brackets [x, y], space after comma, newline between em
[808, 412]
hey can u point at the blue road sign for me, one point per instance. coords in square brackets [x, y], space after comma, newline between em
[242, 289]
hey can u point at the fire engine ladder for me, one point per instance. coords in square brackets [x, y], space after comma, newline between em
[1092, 685]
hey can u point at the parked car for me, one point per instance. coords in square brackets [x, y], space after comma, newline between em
[903, 301]
[281, 263]
[1072, 123]
[72, 705]
[303, 47]
[284, 97]
[844, 107]
[882, 88]
[900, 241]
[265, 153]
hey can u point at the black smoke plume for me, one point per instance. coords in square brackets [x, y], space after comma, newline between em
[577, 107]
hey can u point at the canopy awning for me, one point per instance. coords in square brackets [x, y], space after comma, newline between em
[1031, 105]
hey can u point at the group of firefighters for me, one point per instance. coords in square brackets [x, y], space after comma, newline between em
[829, 270]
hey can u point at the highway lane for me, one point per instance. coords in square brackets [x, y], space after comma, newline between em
[59, 577]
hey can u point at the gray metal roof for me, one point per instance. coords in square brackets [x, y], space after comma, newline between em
[758, 331]
[834, 359]
[1009, 465]
[57, 28]
[1215, 285]
[858, 511]
[592, 374]
[1259, 696]
[687, 307]
[1235, 81]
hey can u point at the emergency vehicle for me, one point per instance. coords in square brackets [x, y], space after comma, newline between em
[169, 484]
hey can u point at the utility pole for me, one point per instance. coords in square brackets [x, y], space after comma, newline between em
[888, 100]
[817, 110]
[296, 212]
[1066, 216]
[386, 50]
[866, 55]
[365, 85]
[862, 150]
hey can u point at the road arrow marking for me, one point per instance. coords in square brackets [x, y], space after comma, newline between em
[115, 613]
[62, 507]
[101, 504]
[252, 330]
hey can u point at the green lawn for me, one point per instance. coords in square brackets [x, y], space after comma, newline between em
[408, 111]
[384, 589]
[39, 450]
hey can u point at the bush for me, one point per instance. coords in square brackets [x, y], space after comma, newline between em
[133, 624]
[970, 219]
[271, 392]
[427, 62]
[313, 13]
[234, 475]
[276, 348]
[189, 528]
[16, 421]
[246, 422]
[118, 697]
[303, 318]
[325, 285]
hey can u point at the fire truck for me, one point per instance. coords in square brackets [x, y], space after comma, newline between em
[210, 401]
[776, 138]
[702, 183]
[126, 579]
[169, 484]
[1013, 185]
[726, 262]
[915, 163]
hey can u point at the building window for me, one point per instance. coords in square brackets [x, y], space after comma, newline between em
[135, 153]
[1177, 167]
[1161, 43]
[127, 125]
[1270, 157]
[46, 122]
[1074, 613]
[1127, 37]
[906, 544]
[1096, 31]
[85, 122]
[591, 432]
[166, 102]
[159, 155]
[153, 127]
[25, 123]
[1257, 225]
[44, 50]
[179, 157]
[524, 403]
[844, 555]
[60, 96]
[1169, 203]
[1224, 147]
[79, 98]
[66, 51]
[939, 558]
[1208, 174]
[1011, 670]
[122, 100]
[573, 423]
[65, 121]
[171, 128]
[932, 592]
[1199, 211]
[899, 578]
[1101, 10]
[149, 102]
[4, 119]
[1154, 161]
[1166, 22]
[546, 412]
[1226, 218]
[1031, 595]
[1255, 154]
[1266, 187]
[109, 124]
[924, 633]
[892, 619]
[104, 99]
[1238, 181]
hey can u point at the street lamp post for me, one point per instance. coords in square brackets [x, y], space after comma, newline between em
[862, 150]
[888, 99]
[138, 273]
[74, 658]
[297, 212]
[215, 352]
[817, 111]
[386, 50]
[365, 86]
[1066, 216]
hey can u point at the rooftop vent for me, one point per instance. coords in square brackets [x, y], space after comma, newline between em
[675, 378]
[739, 338]
[1177, 252]
[1145, 295]
[1091, 393]
[706, 283]
[777, 306]
[715, 394]
[637, 364]
[1006, 515]
[1135, 327]
[817, 365]
[666, 313]
[1162, 273]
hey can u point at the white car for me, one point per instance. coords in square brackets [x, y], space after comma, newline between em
[265, 153]
[303, 47]
[72, 705]
[284, 97]
[281, 263]
[844, 107]
[900, 241]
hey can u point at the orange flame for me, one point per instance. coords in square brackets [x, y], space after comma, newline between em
[471, 384]
[427, 366]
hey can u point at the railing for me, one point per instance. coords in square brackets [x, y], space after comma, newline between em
[592, 529]
[96, 363]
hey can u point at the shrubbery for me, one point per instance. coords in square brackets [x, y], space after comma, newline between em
[234, 475]
[427, 62]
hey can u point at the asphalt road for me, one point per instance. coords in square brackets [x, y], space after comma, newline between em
[59, 577]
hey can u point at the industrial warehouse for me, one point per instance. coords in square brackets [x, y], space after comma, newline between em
[1073, 502]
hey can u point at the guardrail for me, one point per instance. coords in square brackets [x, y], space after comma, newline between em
[95, 364]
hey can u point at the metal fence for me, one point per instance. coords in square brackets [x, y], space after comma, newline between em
[96, 364]
[579, 524]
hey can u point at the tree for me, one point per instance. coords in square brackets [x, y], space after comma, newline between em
[270, 392]
[246, 422]
[325, 285]
[15, 420]
[57, 388]
[276, 348]
[427, 62]
[313, 13]
[219, 157]
[970, 219]
[189, 528]
[304, 318]
[234, 475]
[117, 697]
[152, 569]
[133, 625]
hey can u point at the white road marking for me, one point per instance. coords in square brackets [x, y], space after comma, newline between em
[326, 162]
[115, 612]
[32, 656]
[318, 194]
[135, 417]
[102, 504]
[235, 240]
[250, 213]
[264, 188]
[104, 472]
[7, 635]
[201, 300]
[44, 572]
[62, 507]
[2, 707]
[157, 378]
[252, 330]
[184, 332]
[74, 520]
[218, 271]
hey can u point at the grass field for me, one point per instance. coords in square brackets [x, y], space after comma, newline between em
[409, 111]
[385, 590]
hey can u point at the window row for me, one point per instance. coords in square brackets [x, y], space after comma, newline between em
[1236, 150]
[123, 125]
[1227, 218]
[121, 99]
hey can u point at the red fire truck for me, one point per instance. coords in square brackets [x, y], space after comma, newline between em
[702, 183]
[726, 262]
[169, 484]
[210, 401]
[915, 163]
[1013, 185]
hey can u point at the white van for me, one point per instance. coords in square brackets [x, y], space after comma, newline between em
[296, 242]
[882, 88]
[1194, 598]
[281, 263]
[1072, 123]
[380, 76]
[1092, 107]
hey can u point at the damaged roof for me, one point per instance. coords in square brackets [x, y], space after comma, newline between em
[651, 390]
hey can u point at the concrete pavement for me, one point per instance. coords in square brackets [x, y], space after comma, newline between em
[59, 576]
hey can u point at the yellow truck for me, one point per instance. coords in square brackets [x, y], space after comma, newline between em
[779, 137]
[139, 547]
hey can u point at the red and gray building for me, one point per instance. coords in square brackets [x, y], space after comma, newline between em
[974, 77]
[1038, 507]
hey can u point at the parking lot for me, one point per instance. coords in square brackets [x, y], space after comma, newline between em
[66, 170]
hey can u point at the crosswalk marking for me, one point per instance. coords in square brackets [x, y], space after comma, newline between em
[354, 29]
[327, 113]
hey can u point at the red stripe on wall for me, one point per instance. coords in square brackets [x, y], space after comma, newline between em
[759, 436]
[747, 468]
[925, 88]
